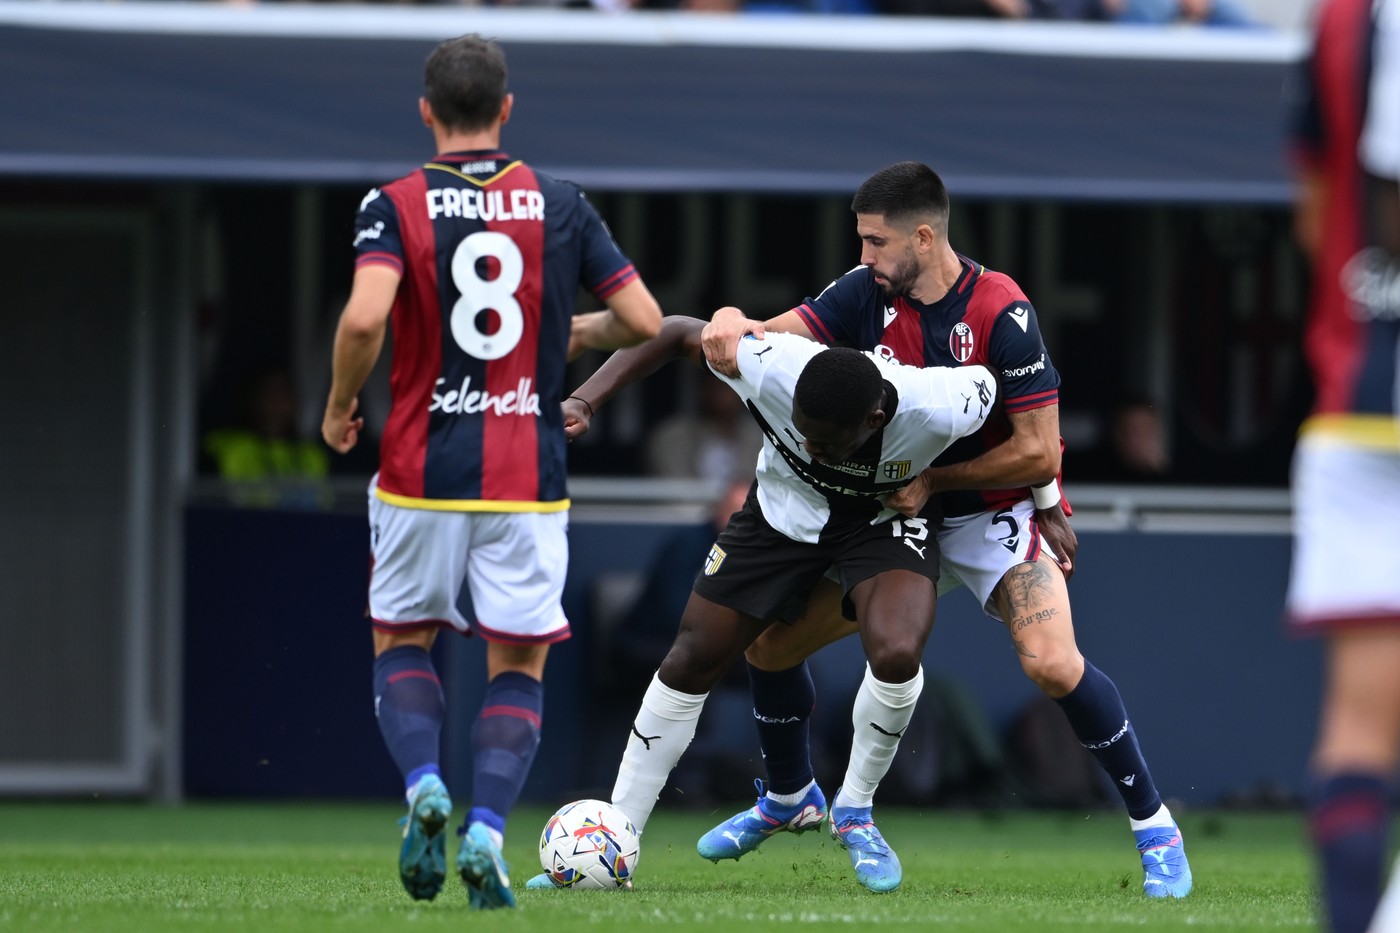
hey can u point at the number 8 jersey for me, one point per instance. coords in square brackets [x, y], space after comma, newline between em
[491, 255]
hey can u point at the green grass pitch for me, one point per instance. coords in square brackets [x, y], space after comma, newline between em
[296, 866]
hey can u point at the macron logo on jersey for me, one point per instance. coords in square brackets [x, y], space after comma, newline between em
[890, 314]
[1021, 317]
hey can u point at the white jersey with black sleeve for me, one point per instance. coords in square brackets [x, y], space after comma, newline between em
[927, 409]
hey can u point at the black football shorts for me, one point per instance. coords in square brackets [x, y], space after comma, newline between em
[755, 569]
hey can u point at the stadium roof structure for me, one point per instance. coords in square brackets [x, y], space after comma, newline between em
[650, 101]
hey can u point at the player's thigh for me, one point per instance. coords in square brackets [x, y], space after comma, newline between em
[1346, 507]
[1359, 727]
[895, 612]
[784, 645]
[711, 637]
[418, 563]
[754, 569]
[1034, 601]
[890, 576]
[978, 550]
[516, 565]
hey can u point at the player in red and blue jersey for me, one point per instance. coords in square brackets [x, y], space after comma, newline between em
[984, 319]
[475, 261]
[1346, 466]
[915, 300]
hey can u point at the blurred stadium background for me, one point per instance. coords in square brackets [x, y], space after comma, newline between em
[177, 186]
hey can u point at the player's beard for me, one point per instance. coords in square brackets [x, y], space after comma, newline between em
[901, 281]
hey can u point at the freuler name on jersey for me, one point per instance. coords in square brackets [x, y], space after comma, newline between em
[485, 205]
[464, 401]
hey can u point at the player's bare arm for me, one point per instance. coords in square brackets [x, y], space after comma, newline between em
[1030, 457]
[679, 337]
[728, 324]
[631, 317]
[359, 338]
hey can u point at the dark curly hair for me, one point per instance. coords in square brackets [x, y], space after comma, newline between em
[838, 386]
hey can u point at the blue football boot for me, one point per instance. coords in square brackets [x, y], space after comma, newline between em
[876, 865]
[742, 833]
[1164, 867]
[423, 856]
[483, 870]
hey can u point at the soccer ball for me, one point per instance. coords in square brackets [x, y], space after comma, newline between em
[589, 844]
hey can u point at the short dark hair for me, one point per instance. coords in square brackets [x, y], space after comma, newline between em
[464, 82]
[903, 191]
[838, 386]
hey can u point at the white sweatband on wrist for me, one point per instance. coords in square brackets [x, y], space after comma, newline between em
[1048, 496]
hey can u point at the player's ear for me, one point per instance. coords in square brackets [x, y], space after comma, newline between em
[507, 104]
[425, 112]
[875, 420]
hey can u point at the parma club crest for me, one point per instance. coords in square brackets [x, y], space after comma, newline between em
[713, 560]
[897, 469]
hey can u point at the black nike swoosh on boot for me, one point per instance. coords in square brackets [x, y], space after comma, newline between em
[646, 739]
[874, 726]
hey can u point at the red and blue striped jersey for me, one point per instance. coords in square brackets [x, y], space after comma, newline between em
[492, 254]
[1351, 350]
[985, 318]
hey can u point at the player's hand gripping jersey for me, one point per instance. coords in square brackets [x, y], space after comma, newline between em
[492, 254]
[927, 410]
[984, 319]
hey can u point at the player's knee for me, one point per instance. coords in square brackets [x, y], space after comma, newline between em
[894, 664]
[1056, 673]
[689, 672]
[773, 654]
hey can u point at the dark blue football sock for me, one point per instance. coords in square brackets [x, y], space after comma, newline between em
[409, 706]
[1347, 816]
[504, 740]
[782, 709]
[1100, 721]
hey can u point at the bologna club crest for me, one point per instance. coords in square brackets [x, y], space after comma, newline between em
[960, 342]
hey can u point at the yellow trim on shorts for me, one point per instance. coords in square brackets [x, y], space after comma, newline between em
[1379, 432]
[470, 505]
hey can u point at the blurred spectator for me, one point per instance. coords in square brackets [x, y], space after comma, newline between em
[1133, 448]
[1149, 12]
[1164, 12]
[999, 9]
[265, 457]
[715, 442]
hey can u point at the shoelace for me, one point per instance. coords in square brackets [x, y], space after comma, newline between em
[1154, 841]
[871, 841]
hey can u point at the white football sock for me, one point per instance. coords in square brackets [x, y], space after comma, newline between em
[880, 715]
[661, 732]
[1163, 817]
[789, 800]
